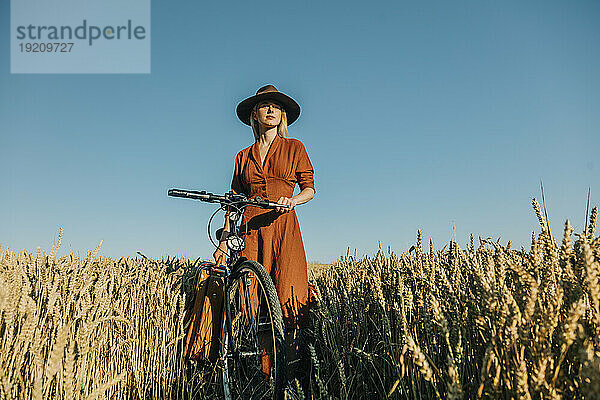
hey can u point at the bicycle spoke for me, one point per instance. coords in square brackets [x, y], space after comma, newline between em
[248, 302]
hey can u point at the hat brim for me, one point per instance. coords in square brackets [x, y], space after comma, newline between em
[292, 109]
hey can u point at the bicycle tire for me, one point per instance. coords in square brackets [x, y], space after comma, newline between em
[257, 334]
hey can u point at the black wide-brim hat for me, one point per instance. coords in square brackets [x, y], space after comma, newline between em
[268, 92]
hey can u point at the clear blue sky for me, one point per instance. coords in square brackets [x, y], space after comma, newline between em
[414, 114]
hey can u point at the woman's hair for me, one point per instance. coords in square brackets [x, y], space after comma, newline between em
[282, 130]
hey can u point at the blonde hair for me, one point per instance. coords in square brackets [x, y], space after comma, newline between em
[282, 129]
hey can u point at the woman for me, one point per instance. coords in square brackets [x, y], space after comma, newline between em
[270, 168]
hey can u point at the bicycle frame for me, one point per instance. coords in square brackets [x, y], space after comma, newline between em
[233, 260]
[224, 271]
[234, 205]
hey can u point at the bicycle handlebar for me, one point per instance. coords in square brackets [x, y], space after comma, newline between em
[226, 199]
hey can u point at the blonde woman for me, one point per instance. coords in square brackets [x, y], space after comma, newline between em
[271, 168]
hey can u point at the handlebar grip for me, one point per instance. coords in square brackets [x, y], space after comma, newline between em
[189, 194]
[176, 193]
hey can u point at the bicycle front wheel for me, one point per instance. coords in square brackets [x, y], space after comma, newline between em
[254, 359]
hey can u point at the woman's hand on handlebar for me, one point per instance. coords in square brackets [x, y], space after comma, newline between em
[220, 254]
[290, 202]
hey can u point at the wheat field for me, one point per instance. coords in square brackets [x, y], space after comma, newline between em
[486, 322]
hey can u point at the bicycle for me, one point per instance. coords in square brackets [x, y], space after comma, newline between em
[252, 353]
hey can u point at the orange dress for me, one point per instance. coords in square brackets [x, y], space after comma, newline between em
[273, 239]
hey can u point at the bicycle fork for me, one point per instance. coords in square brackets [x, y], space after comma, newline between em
[227, 334]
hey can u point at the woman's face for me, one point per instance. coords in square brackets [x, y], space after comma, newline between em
[268, 113]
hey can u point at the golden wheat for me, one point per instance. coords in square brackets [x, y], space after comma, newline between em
[487, 322]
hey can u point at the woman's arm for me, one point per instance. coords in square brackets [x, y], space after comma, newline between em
[220, 254]
[304, 196]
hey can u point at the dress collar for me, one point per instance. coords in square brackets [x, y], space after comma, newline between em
[256, 153]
